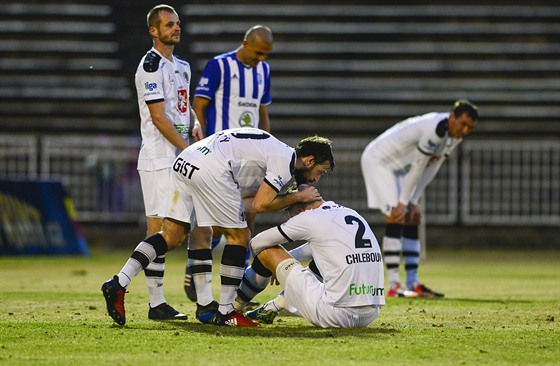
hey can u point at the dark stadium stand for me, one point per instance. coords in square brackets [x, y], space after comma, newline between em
[61, 69]
[337, 69]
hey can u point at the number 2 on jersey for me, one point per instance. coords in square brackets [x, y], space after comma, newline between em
[359, 239]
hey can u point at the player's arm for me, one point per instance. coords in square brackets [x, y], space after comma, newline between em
[427, 176]
[264, 119]
[267, 198]
[196, 133]
[165, 126]
[266, 239]
[200, 105]
[410, 180]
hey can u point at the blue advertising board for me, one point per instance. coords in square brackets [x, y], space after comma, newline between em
[37, 217]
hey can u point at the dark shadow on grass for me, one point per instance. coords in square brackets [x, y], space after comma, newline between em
[275, 330]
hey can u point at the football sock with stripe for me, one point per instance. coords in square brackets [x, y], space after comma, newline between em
[255, 279]
[147, 251]
[392, 247]
[411, 254]
[200, 263]
[231, 271]
[154, 280]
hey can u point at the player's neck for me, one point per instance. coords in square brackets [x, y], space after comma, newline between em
[164, 50]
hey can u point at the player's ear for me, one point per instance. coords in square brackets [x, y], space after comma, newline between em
[153, 31]
[309, 161]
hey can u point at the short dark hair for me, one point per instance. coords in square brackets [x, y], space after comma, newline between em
[462, 106]
[319, 147]
[153, 15]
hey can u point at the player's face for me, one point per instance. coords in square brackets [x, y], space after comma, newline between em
[460, 126]
[169, 30]
[312, 174]
[255, 52]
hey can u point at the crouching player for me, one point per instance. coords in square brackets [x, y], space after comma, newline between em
[346, 254]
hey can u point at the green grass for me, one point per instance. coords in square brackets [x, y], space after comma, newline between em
[501, 308]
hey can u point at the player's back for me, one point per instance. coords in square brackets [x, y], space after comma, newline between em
[253, 154]
[347, 254]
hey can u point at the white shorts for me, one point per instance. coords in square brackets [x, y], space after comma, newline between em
[304, 296]
[383, 186]
[155, 185]
[206, 194]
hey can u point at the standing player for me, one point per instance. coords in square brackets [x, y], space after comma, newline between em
[213, 183]
[162, 84]
[397, 166]
[233, 91]
[346, 254]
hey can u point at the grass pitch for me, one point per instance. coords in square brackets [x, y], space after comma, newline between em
[501, 308]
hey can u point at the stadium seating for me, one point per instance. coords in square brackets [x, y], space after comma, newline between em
[337, 69]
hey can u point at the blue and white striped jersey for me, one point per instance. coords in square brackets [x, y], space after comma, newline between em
[236, 92]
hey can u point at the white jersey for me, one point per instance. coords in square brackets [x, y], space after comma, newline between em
[211, 176]
[344, 249]
[236, 92]
[399, 164]
[254, 155]
[160, 80]
[396, 147]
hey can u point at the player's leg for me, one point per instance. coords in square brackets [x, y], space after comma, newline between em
[411, 253]
[172, 234]
[154, 186]
[200, 263]
[254, 281]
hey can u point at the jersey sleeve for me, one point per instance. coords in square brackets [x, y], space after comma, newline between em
[209, 80]
[279, 171]
[151, 83]
[266, 98]
[429, 141]
[296, 228]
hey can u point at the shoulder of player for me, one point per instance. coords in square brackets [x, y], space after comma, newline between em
[151, 61]
[182, 61]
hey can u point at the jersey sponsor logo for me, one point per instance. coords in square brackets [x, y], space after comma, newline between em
[203, 81]
[359, 290]
[246, 120]
[182, 101]
[150, 86]
[363, 258]
[184, 168]
[205, 150]
[430, 146]
[247, 104]
[182, 129]
[278, 181]
[259, 79]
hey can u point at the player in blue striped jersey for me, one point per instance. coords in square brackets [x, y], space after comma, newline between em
[234, 91]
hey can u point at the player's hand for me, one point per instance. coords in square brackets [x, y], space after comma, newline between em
[197, 132]
[309, 194]
[397, 214]
[413, 215]
[274, 281]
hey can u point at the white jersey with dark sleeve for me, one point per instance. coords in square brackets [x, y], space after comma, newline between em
[344, 249]
[398, 147]
[158, 79]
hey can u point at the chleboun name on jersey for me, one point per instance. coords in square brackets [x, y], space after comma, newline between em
[367, 257]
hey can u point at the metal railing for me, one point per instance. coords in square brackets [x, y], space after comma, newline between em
[485, 182]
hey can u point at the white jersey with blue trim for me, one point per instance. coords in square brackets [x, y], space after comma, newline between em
[236, 91]
[344, 249]
[158, 79]
[396, 147]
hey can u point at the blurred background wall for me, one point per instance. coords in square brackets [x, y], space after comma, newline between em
[344, 70]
